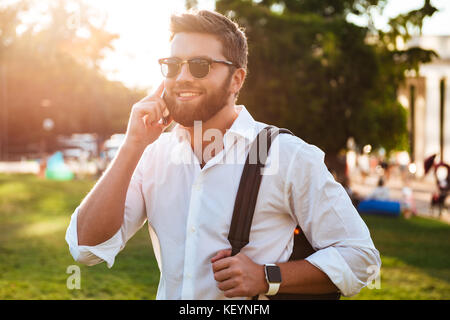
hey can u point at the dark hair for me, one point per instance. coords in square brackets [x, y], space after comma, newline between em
[232, 37]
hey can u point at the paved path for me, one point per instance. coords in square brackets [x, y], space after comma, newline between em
[422, 191]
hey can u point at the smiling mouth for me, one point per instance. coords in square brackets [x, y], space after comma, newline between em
[188, 95]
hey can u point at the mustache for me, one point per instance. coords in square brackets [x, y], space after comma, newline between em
[186, 87]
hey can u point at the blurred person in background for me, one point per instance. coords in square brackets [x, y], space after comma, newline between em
[381, 192]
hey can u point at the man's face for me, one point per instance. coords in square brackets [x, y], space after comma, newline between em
[189, 98]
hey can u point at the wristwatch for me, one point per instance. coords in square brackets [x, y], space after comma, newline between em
[273, 278]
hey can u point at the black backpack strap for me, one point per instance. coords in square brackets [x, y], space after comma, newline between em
[244, 208]
[247, 194]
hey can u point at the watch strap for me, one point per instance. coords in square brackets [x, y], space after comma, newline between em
[273, 286]
[273, 289]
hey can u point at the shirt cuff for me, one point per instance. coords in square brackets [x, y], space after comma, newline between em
[91, 255]
[330, 261]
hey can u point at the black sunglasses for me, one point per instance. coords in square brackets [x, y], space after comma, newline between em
[198, 67]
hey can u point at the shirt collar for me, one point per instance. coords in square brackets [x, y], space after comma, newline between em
[244, 125]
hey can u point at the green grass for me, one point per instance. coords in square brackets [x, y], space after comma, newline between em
[415, 256]
[34, 256]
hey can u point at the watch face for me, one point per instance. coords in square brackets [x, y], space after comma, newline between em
[273, 274]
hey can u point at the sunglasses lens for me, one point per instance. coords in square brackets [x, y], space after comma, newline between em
[169, 68]
[199, 68]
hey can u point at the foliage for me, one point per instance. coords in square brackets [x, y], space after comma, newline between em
[191, 4]
[323, 77]
[50, 70]
[404, 25]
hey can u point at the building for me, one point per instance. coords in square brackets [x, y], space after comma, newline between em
[427, 98]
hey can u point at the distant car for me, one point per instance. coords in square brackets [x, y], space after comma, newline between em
[111, 153]
[112, 145]
[115, 140]
[72, 153]
[85, 142]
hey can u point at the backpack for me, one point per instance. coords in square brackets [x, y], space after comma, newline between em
[244, 208]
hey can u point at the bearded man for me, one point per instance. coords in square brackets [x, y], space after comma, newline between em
[186, 189]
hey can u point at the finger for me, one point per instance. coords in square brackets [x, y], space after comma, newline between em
[166, 112]
[158, 115]
[146, 98]
[162, 106]
[156, 93]
[156, 103]
[227, 285]
[150, 109]
[165, 121]
[157, 125]
[169, 120]
[223, 275]
[150, 116]
[221, 264]
[221, 254]
[159, 90]
[231, 293]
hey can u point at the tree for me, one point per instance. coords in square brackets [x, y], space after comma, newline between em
[323, 77]
[50, 70]
[191, 4]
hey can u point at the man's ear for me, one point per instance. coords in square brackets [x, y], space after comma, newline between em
[238, 80]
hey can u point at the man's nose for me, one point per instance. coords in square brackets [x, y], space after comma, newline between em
[185, 74]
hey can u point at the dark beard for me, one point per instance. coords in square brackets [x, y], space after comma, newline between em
[187, 113]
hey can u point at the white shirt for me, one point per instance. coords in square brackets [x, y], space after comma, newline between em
[189, 211]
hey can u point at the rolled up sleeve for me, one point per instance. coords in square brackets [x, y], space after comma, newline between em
[345, 250]
[92, 255]
[134, 218]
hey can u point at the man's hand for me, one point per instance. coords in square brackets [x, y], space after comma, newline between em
[143, 126]
[238, 276]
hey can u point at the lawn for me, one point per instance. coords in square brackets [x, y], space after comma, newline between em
[34, 257]
[415, 256]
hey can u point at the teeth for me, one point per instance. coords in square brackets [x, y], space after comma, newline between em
[188, 94]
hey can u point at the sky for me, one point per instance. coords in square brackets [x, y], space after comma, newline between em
[143, 27]
[143, 30]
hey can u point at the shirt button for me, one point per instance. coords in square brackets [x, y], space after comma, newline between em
[192, 229]
[189, 276]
